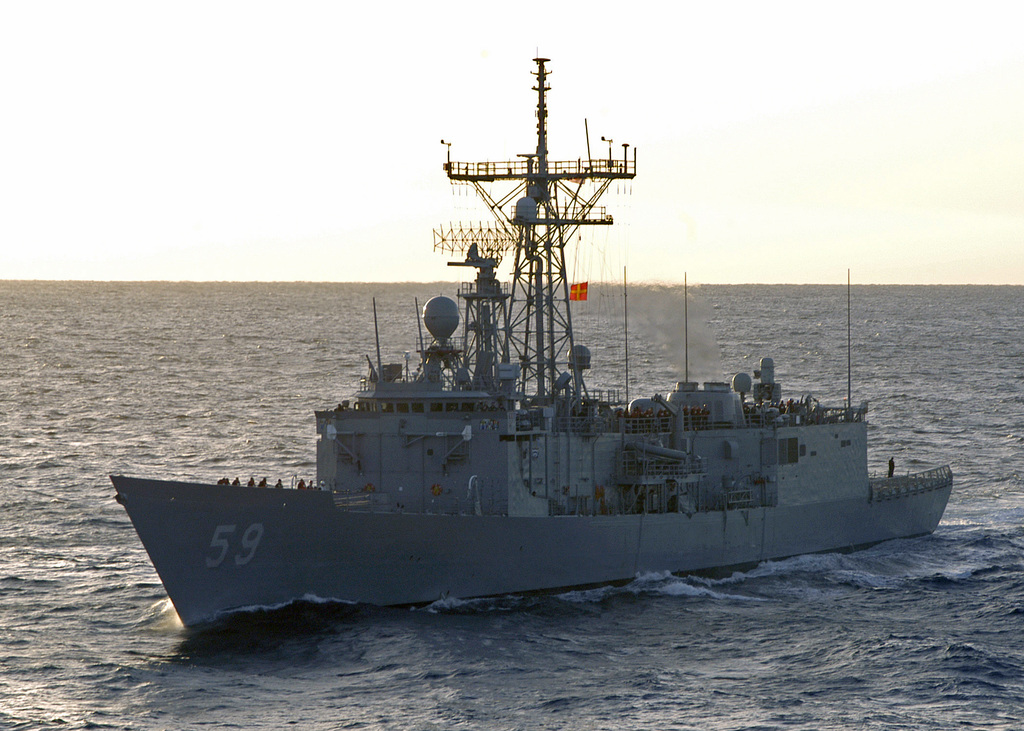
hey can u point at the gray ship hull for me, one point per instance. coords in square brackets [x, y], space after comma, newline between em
[223, 548]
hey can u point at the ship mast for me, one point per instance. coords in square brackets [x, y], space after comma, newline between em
[550, 200]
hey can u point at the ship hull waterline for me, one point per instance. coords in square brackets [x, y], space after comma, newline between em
[223, 548]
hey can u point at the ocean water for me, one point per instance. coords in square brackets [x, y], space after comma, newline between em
[202, 381]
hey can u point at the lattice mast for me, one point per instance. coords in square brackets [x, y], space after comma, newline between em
[536, 219]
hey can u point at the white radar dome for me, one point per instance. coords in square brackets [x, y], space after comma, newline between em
[441, 316]
[741, 383]
[526, 209]
[579, 357]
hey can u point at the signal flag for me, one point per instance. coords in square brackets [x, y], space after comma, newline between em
[578, 292]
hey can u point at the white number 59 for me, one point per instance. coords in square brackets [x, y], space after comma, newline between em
[221, 544]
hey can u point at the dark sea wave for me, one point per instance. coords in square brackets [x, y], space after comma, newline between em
[202, 381]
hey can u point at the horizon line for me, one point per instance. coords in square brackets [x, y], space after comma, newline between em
[656, 283]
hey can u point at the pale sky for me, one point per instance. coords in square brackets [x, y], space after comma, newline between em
[776, 142]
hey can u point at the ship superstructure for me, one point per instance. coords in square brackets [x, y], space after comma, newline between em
[493, 468]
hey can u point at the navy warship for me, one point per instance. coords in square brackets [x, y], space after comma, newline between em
[493, 469]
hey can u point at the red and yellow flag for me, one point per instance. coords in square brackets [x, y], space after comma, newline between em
[578, 292]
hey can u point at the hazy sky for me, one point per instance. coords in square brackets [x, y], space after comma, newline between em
[777, 142]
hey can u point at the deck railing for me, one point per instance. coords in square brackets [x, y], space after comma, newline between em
[517, 169]
[890, 488]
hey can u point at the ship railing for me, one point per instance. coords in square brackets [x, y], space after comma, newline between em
[527, 419]
[362, 501]
[890, 488]
[662, 424]
[519, 169]
[633, 469]
[741, 496]
[604, 395]
[646, 424]
[382, 502]
[636, 465]
[468, 290]
[701, 422]
[800, 415]
[838, 415]
[750, 491]
[595, 424]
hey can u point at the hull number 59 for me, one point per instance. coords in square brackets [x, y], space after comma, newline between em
[244, 549]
